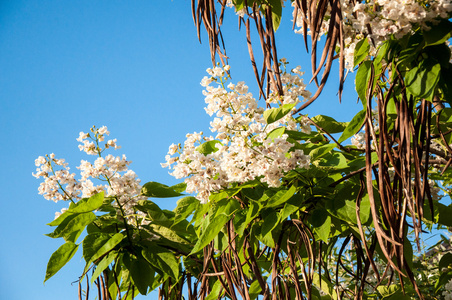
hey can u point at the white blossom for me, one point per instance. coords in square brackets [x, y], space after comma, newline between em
[244, 151]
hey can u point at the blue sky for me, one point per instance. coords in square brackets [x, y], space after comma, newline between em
[132, 66]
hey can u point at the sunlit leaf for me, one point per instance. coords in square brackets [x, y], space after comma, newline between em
[158, 190]
[59, 258]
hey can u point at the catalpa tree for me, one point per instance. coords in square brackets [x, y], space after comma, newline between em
[278, 204]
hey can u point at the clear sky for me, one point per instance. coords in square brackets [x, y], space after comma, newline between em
[134, 66]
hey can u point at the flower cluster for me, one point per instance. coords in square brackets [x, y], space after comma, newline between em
[378, 19]
[112, 172]
[242, 149]
[58, 184]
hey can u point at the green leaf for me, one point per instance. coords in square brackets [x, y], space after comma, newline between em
[215, 291]
[361, 51]
[410, 50]
[59, 258]
[84, 205]
[87, 205]
[387, 291]
[208, 147]
[335, 160]
[274, 114]
[267, 238]
[251, 213]
[329, 124]
[162, 259]
[185, 207]
[158, 190]
[103, 264]
[384, 51]
[446, 261]
[276, 133]
[154, 213]
[97, 244]
[270, 221]
[141, 272]
[362, 79]
[343, 206]
[320, 220]
[354, 126]
[439, 33]
[326, 285]
[321, 151]
[200, 211]
[210, 232]
[74, 223]
[291, 206]
[180, 187]
[421, 80]
[276, 13]
[281, 197]
[255, 289]
[168, 234]
[239, 4]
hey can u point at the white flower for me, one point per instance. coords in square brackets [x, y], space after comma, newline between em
[103, 130]
[82, 136]
[245, 153]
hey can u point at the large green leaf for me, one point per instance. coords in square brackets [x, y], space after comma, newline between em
[276, 133]
[211, 230]
[215, 291]
[329, 124]
[185, 207]
[334, 160]
[255, 289]
[344, 205]
[276, 6]
[421, 80]
[158, 190]
[274, 114]
[84, 205]
[141, 272]
[326, 285]
[318, 152]
[271, 233]
[169, 234]
[291, 206]
[361, 51]
[392, 292]
[271, 220]
[103, 264]
[320, 220]
[445, 214]
[74, 223]
[97, 244]
[281, 197]
[59, 258]
[354, 126]
[251, 213]
[362, 79]
[154, 213]
[87, 205]
[162, 259]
